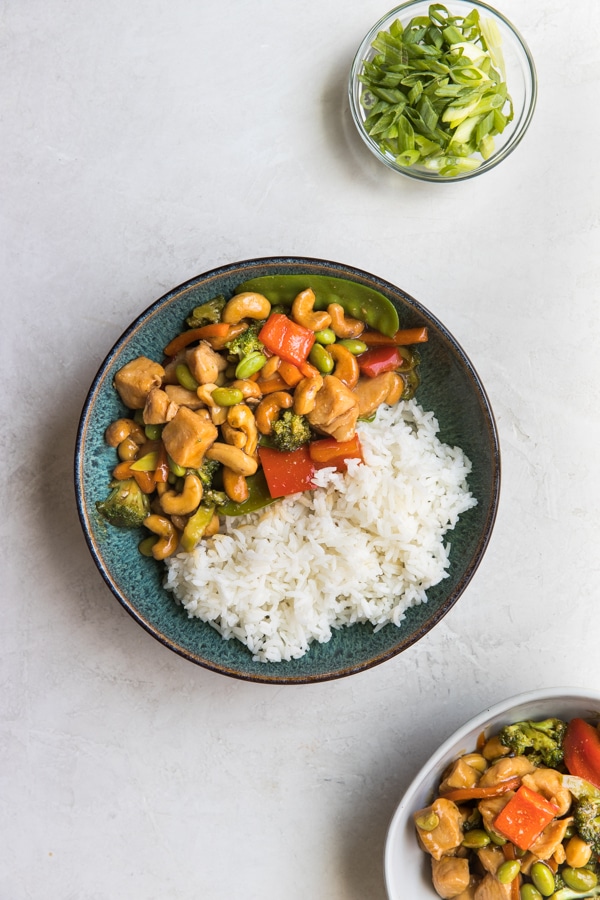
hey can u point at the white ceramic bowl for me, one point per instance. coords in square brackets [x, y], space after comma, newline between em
[407, 868]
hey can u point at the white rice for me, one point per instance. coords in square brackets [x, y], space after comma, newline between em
[364, 547]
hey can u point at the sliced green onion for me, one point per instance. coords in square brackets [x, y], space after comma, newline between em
[435, 93]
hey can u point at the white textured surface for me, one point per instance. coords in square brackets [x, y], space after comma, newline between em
[143, 143]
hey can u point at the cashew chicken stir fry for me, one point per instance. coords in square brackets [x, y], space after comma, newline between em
[519, 817]
[248, 401]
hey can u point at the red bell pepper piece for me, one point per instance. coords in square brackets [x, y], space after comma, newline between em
[286, 338]
[287, 472]
[581, 747]
[524, 817]
[379, 359]
[329, 453]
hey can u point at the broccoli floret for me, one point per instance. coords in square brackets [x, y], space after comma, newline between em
[208, 313]
[246, 342]
[207, 471]
[541, 742]
[290, 431]
[587, 821]
[126, 506]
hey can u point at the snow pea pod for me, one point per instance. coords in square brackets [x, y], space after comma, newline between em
[258, 496]
[357, 300]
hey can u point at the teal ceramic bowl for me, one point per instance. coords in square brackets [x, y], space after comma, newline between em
[450, 387]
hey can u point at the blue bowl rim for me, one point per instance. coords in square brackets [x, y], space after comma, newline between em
[404, 641]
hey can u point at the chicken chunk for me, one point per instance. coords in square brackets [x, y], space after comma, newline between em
[548, 783]
[450, 875]
[188, 436]
[336, 410]
[506, 768]
[183, 397]
[136, 379]
[469, 892]
[551, 837]
[372, 392]
[491, 858]
[159, 408]
[460, 775]
[204, 363]
[446, 837]
[489, 888]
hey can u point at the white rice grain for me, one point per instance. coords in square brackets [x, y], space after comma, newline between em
[363, 547]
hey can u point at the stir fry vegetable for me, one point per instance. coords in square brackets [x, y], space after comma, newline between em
[249, 401]
[435, 92]
[512, 821]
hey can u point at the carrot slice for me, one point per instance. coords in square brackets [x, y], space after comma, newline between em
[183, 340]
[524, 817]
[402, 338]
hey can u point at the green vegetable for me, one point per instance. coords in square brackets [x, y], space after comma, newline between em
[258, 497]
[543, 878]
[321, 359]
[354, 346]
[582, 879]
[290, 431]
[325, 336]
[246, 343]
[587, 821]
[185, 377]
[195, 527]
[207, 313]
[566, 893]
[207, 471]
[250, 364]
[357, 300]
[126, 506]
[435, 93]
[530, 892]
[508, 871]
[476, 839]
[541, 742]
[224, 396]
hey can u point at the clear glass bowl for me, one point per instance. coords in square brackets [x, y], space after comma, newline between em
[520, 76]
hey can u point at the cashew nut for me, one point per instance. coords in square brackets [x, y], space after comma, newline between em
[236, 486]
[232, 457]
[175, 504]
[250, 389]
[303, 313]
[269, 408]
[305, 395]
[372, 392]
[346, 366]
[218, 414]
[167, 535]
[233, 436]
[248, 305]
[212, 527]
[270, 367]
[121, 429]
[127, 449]
[242, 418]
[396, 390]
[344, 326]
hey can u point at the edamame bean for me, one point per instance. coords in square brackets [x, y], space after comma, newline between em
[354, 345]
[250, 364]
[227, 396]
[530, 892]
[153, 432]
[325, 336]
[429, 821]
[508, 871]
[543, 879]
[176, 469]
[321, 359]
[476, 839]
[185, 377]
[497, 839]
[579, 879]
